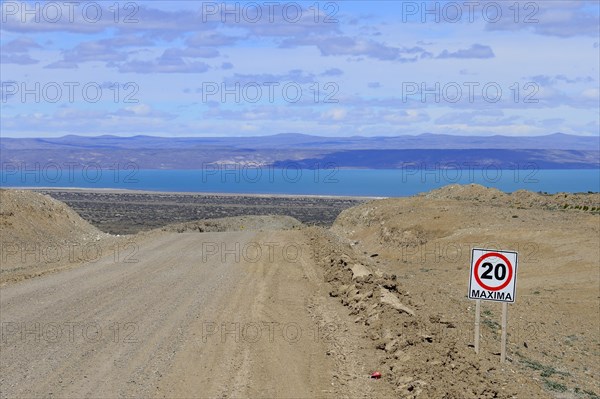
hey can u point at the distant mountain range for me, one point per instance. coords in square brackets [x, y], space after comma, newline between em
[555, 151]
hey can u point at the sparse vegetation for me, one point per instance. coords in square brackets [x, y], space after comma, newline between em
[545, 371]
[102, 208]
[494, 326]
[571, 338]
[592, 395]
[555, 386]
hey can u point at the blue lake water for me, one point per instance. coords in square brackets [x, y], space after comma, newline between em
[351, 182]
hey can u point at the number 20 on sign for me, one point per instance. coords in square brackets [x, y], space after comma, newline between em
[493, 277]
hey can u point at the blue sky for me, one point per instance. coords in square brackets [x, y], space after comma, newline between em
[342, 68]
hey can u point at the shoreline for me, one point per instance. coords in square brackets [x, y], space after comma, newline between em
[190, 193]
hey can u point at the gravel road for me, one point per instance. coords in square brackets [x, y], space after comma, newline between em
[237, 314]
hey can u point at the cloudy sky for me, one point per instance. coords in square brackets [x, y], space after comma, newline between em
[329, 68]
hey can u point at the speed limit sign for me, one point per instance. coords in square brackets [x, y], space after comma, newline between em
[493, 275]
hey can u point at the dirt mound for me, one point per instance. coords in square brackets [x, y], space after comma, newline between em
[426, 241]
[382, 223]
[473, 192]
[241, 223]
[28, 216]
[586, 202]
[39, 234]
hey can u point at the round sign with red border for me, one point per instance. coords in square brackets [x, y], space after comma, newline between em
[493, 275]
[507, 264]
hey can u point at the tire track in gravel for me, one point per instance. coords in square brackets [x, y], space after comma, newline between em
[199, 315]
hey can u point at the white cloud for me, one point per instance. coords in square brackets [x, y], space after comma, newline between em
[335, 114]
[367, 53]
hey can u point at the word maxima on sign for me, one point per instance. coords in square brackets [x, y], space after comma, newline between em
[493, 275]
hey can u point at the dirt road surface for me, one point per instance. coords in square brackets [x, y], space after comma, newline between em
[238, 314]
[265, 307]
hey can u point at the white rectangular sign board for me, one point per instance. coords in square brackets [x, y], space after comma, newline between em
[493, 275]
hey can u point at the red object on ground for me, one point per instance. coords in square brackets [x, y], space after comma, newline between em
[376, 375]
